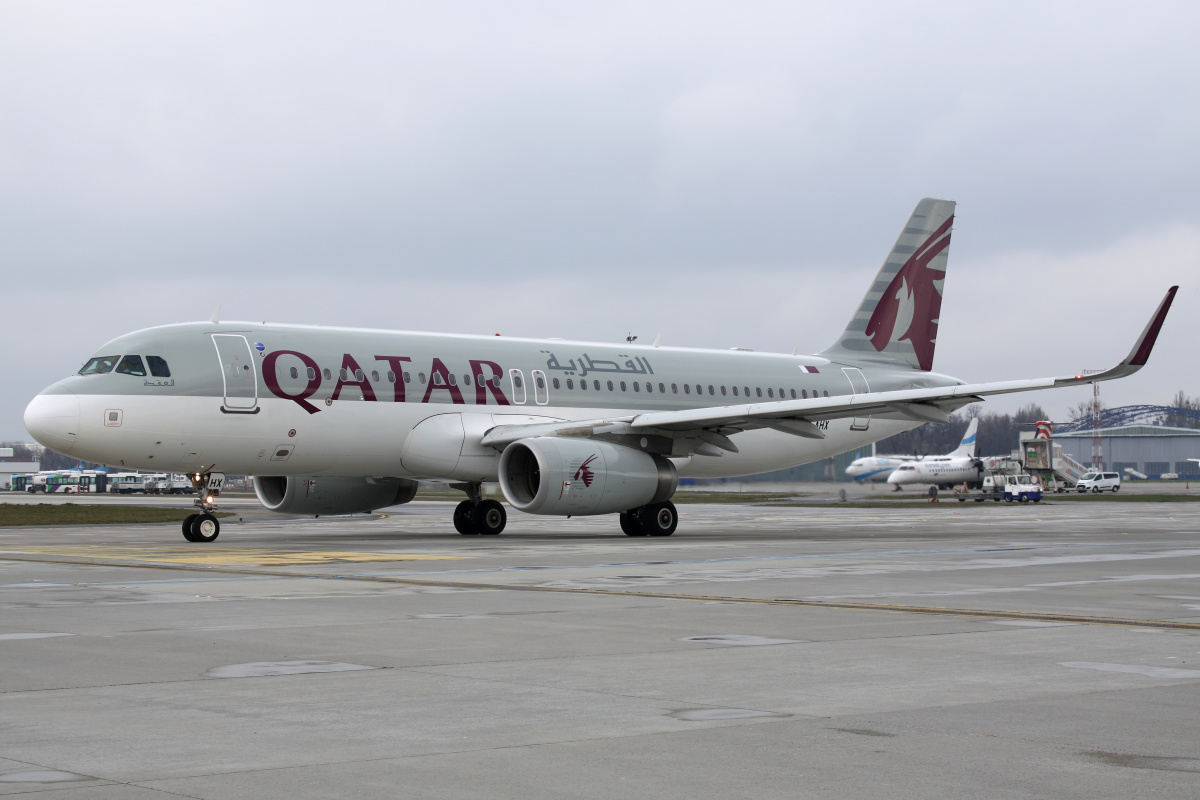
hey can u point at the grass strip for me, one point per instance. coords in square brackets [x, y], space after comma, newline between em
[12, 514]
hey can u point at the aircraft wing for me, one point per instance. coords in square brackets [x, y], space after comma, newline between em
[709, 425]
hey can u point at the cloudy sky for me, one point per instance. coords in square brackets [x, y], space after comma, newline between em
[725, 174]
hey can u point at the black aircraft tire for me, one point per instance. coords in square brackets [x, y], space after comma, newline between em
[462, 519]
[205, 528]
[489, 518]
[660, 519]
[630, 524]
[187, 526]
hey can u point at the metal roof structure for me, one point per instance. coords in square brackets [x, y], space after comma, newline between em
[1149, 418]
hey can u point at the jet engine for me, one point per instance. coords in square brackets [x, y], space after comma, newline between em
[564, 476]
[306, 495]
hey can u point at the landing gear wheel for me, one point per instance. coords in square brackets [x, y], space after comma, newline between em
[205, 528]
[489, 518]
[659, 519]
[462, 519]
[630, 524]
[187, 526]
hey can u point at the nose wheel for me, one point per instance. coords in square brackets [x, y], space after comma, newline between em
[201, 528]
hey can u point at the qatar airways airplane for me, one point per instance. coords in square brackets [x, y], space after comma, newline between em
[337, 420]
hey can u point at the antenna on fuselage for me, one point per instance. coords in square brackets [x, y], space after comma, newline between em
[658, 340]
[216, 317]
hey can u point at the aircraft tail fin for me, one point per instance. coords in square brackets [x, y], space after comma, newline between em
[969, 444]
[897, 322]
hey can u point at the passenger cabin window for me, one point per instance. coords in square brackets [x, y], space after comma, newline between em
[375, 376]
[132, 365]
[158, 366]
[99, 365]
[326, 373]
[636, 387]
[295, 373]
[312, 374]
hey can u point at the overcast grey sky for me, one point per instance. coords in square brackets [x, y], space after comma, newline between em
[725, 174]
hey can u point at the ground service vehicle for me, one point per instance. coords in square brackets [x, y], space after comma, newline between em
[1099, 482]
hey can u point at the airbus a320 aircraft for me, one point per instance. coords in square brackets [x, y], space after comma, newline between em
[336, 421]
[880, 468]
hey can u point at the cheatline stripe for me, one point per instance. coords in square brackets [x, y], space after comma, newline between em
[778, 601]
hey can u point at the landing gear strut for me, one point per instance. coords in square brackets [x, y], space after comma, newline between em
[204, 527]
[656, 519]
[476, 516]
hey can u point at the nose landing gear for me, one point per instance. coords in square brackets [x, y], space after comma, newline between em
[204, 527]
[476, 516]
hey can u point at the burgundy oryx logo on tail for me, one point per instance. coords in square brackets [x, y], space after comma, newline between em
[912, 301]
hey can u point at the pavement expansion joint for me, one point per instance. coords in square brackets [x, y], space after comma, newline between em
[892, 608]
[219, 556]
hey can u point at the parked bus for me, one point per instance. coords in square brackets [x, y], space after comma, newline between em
[77, 482]
[20, 483]
[126, 483]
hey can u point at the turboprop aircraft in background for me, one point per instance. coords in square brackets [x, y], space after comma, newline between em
[961, 466]
[335, 420]
[878, 469]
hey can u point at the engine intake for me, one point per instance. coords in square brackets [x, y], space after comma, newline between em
[549, 475]
[307, 495]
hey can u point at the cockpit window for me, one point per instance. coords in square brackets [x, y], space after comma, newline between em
[132, 365]
[99, 365]
[158, 366]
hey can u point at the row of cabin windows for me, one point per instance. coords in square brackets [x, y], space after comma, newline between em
[359, 376]
[127, 365]
[687, 389]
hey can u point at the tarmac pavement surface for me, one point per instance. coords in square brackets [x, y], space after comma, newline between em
[762, 651]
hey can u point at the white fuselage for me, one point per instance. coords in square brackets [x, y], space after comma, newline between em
[937, 469]
[309, 401]
[875, 469]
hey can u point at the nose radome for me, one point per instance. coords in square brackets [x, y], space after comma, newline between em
[53, 420]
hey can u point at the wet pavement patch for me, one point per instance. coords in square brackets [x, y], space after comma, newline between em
[719, 714]
[42, 776]
[1134, 669]
[10, 636]
[262, 669]
[736, 640]
[863, 732]
[1168, 763]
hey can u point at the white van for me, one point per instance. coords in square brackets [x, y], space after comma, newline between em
[1099, 482]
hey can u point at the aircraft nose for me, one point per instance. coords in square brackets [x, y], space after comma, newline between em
[894, 477]
[53, 420]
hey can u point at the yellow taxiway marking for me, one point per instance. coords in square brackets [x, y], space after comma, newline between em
[196, 564]
[227, 556]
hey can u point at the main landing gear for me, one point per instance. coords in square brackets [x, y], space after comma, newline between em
[476, 516]
[204, 527]
[656, 519]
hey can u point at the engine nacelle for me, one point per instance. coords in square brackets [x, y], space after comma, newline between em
[564, 476]
[306, 495]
